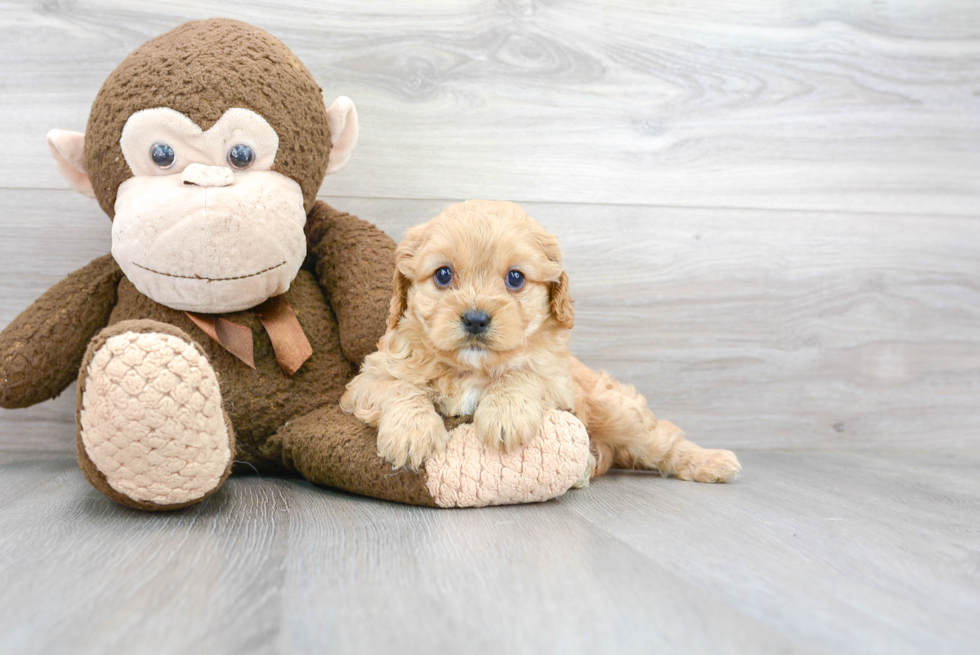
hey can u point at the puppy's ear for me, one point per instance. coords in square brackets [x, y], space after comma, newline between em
[561, 302]
[561, 298]
[402, 282]
[399, 300]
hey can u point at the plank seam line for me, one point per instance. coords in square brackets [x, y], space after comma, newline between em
[781, 210]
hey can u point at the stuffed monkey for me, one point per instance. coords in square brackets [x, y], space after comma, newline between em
[234, 307]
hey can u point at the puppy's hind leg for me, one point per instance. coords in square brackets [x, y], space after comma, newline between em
[626, 434]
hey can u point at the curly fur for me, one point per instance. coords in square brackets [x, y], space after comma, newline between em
[428, 365]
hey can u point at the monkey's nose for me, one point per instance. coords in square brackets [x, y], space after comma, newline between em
[476, 321]
[207, 176]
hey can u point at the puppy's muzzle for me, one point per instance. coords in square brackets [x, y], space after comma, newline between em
[476, 321]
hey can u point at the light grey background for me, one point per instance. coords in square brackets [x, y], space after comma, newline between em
[769, 212]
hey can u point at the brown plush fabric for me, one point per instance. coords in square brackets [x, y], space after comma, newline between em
[202, 69]
[40, 351]
[93, 474]
[453, 422]
[260, 400]
[354, 264]
[331, 448]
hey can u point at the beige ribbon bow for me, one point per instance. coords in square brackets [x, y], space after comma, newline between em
[289, 342]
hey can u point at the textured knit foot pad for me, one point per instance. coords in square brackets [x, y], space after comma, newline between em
[470, 474]
[151, 419]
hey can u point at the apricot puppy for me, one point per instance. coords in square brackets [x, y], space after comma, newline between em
[479, 325]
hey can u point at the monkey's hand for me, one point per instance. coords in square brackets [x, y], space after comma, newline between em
[41, 350]
[508, 419]
[355, 263]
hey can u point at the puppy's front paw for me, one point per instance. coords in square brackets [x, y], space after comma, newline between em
[408, 439]
[711, 466]
[507, 421]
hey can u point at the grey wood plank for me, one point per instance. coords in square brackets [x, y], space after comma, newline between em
[863, 328]
[526, 579]
[82, 575]
[773, 329]
[750, 330]
[355, 575]
[808, 552]
[24, 471]
[48, 427]
[851, 552]
[835, 105]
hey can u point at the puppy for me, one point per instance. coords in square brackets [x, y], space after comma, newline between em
[479, 325]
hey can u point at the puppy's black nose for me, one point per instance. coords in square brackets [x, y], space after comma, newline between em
[476, 322]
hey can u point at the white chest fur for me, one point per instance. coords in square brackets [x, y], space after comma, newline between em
[462, 397]
[470, 399]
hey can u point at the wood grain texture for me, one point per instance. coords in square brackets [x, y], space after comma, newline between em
[829, 330]
[838, 105]
[808, 552]
[773, 329]
[749, 329]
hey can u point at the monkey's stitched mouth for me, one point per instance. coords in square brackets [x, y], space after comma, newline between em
[211, 279]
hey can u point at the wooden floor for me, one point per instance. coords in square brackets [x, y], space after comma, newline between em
[770, 214]
[810, 552]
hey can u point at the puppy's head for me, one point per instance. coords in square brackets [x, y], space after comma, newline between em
[480, 280]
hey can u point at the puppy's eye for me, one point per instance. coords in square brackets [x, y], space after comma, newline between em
[162, 155]
[443, 277]
[241, 156]
[514, 280]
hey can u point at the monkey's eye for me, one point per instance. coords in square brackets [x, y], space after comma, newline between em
[162, 155]
[514, 280]
[443, 277]
[241, 156]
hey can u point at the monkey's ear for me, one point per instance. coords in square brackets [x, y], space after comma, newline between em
[68, 150]
[342, 119]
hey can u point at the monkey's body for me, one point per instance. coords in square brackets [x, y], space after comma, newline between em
[259, 401]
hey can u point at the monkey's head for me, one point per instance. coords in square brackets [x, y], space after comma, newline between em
[206, 147]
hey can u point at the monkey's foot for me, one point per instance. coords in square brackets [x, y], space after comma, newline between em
[468, 473]
[151, 430]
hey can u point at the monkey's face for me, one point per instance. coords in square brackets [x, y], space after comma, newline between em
[204, 224]
[208, 220]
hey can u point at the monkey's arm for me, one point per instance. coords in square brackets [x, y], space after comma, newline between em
[355, 264]
[41, 350]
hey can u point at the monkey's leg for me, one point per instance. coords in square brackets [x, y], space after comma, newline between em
[625, 433]
[332, 448]
[151, 430]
